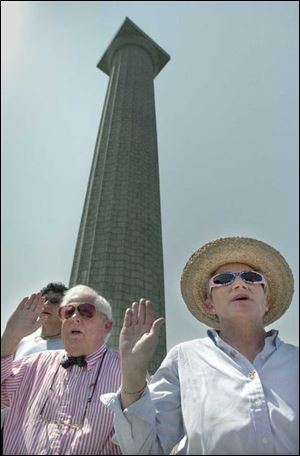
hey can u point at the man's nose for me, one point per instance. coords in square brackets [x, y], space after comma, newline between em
[76, 314]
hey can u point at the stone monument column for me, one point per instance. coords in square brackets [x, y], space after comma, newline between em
[119, 246]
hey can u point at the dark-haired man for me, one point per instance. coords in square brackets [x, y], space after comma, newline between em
[49, 337]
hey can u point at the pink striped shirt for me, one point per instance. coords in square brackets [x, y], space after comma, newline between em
[25, 388]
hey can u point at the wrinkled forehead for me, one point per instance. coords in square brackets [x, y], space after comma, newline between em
[233, 267]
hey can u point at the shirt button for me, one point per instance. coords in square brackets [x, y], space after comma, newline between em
[251, 375]
[265, 440]
[258, 402]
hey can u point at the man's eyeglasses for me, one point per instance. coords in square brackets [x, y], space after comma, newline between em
[85, 311]
[53, 300]
[226, 278]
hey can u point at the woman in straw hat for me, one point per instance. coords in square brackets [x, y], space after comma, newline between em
[233, 392]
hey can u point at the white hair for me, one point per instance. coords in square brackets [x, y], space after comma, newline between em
[101, 304]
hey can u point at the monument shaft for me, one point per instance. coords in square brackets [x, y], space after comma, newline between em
[119, 245]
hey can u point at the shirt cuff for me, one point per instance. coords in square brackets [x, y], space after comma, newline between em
[134, 425]
[142, 408]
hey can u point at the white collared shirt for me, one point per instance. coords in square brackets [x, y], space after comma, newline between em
[35, 343]
[214, 398]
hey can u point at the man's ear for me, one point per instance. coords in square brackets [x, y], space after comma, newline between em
[208, 306]
[108, 325]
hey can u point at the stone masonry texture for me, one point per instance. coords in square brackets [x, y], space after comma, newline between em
[119, 245]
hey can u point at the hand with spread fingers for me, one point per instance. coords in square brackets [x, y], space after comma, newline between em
[25, 320]
[197, 401]
[137, 343]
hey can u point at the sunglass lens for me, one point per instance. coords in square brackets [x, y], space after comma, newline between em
[86, 310]
[251, 276]
[223, 279]
[66, 312]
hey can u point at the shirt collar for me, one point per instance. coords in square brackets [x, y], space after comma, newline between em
[272, 341]
[94, 357]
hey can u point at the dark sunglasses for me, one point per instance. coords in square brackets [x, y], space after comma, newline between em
[84, 310]
[226, 278]
[53, 300]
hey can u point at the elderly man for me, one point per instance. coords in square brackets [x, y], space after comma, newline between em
[233, 392]
[55, 395]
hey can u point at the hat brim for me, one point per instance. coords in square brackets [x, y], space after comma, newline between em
[256, 254]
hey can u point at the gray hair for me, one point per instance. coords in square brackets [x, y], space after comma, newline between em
[101, 304]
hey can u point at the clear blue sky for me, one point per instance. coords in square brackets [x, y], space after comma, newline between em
[227, 121]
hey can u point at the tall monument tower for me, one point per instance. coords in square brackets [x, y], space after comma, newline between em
[119, 245]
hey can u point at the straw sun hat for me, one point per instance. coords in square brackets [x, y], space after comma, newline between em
[258, 255]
